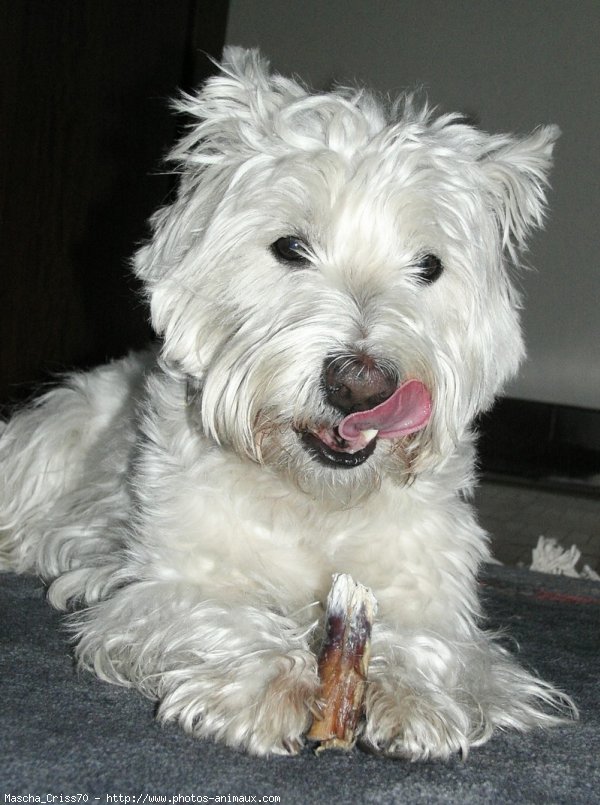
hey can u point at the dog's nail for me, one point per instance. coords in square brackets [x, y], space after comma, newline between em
[317, 709]
[292, 746]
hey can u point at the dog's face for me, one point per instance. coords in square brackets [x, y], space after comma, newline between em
[323, 253]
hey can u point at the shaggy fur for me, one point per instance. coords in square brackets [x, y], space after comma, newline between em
[176, 500]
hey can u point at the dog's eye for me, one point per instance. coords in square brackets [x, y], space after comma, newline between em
[290, 249]
[430, 268]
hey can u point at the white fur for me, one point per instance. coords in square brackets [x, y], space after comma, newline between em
[168, 498]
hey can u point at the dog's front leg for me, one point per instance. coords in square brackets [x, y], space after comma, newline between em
[237, 672]
[413, 706]
[432, 695]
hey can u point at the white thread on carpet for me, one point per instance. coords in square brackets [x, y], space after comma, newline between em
[549, 556]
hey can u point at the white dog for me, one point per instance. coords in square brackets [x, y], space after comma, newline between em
[331, 286]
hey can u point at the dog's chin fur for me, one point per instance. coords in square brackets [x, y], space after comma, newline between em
[175, 500]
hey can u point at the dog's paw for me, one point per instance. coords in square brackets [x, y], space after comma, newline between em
[285, 712]
[264, 709]
[417, 725]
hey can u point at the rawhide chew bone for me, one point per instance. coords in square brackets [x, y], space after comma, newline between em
[343, 663]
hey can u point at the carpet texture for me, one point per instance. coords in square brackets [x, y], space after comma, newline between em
[64, 733]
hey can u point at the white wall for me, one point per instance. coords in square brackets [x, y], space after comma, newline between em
[513, 64]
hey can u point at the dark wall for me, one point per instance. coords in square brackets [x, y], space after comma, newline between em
[85, 122]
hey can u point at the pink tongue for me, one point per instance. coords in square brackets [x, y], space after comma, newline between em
[406, 411]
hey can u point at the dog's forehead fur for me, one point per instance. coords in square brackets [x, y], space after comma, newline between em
[253, 131]
[246, 108]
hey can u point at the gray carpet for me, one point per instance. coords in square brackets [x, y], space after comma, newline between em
[64, 733]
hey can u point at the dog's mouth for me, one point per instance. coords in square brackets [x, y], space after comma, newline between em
[354, 439]
[329, 448]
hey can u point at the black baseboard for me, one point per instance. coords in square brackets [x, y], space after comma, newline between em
[542, 444]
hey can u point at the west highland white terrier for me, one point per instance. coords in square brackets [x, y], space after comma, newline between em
[332, 290]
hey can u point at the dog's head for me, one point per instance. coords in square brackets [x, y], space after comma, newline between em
[332, 276]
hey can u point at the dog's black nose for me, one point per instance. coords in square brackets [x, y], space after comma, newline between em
[356, 383]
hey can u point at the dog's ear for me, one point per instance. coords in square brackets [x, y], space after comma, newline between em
[232, 112]
[516, 176]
